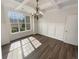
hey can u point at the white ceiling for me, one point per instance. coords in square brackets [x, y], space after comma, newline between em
[45, 5]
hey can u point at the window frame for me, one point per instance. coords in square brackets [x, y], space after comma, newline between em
[28, 23]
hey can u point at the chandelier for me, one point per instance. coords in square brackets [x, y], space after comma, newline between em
[37, 13]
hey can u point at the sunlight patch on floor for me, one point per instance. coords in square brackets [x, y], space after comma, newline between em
[32, 38]
[35, 42]
[15, 45]
[23, 48]
[15, 54]
[27, 49]
[25, 41]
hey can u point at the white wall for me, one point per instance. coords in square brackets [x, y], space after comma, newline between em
[35, 25]
[53, 25]
[71, 30]
[5, 30]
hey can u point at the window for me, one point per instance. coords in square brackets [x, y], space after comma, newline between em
[19, 22]
[27, 23]
[14, 25]
[22, 24]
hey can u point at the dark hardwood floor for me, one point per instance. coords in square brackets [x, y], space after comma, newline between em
[46, 48]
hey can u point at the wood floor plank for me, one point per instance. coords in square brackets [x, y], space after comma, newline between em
[62, 52]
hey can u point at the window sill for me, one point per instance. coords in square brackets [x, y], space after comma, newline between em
[21, 32]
